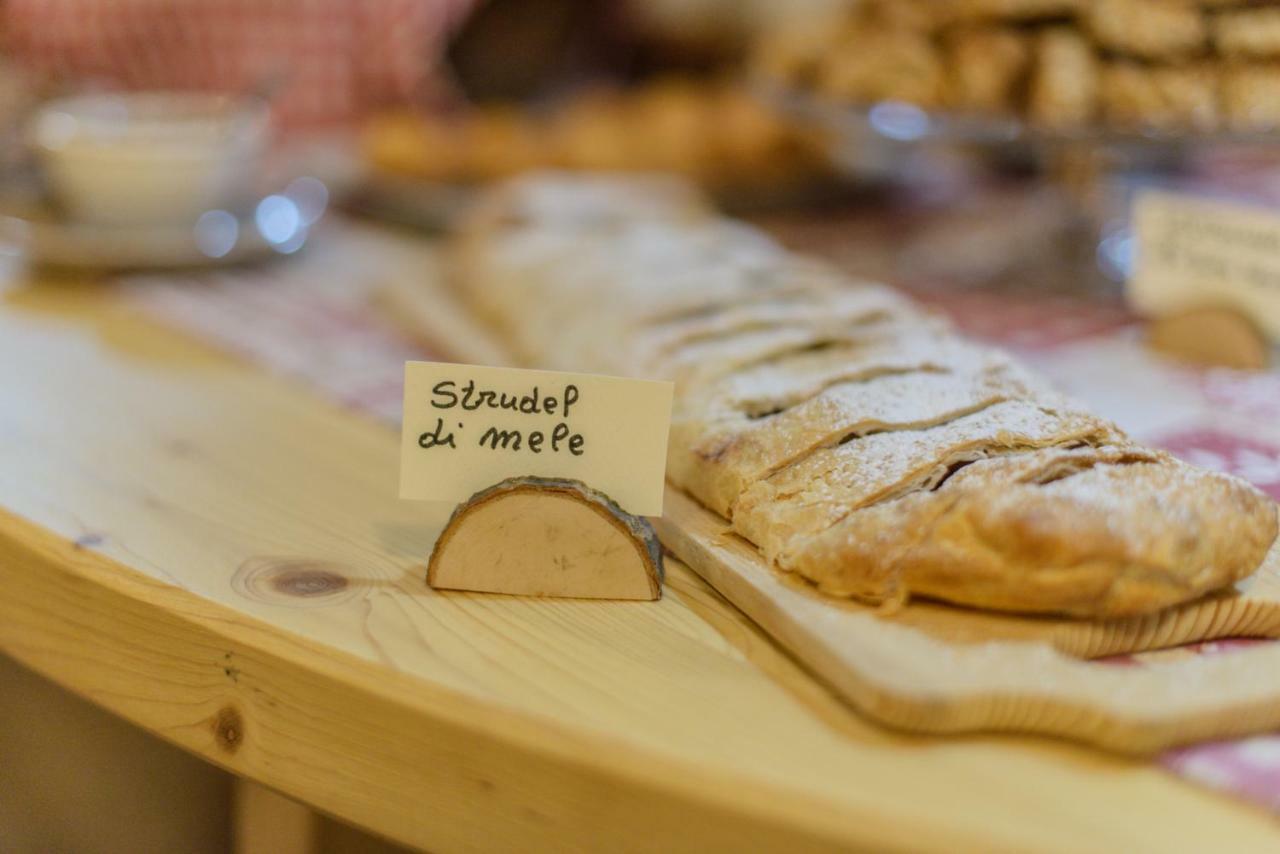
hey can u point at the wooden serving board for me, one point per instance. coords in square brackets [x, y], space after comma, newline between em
[936, 668]
[942, 669]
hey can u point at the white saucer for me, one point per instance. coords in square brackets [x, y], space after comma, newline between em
[277, 224]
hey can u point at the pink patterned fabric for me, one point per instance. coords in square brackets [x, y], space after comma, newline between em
[1249, 768]
[309, 320]
[335, 58]
[1250, 395]
[1028, 321]
[1255, 461]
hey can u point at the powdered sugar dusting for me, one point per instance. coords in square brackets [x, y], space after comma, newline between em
[818, 491]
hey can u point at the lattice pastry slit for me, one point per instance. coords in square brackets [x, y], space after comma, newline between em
[719, 458]
[1081, 531]
[814, 493]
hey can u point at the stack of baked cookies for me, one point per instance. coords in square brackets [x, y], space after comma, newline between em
[1164, 65]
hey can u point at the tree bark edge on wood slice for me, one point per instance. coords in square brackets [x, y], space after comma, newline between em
[555, 537]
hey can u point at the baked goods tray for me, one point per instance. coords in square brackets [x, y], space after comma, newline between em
[935, 668]
[901, 122]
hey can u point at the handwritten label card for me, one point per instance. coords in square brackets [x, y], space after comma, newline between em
[467, 427]
[1196, 253]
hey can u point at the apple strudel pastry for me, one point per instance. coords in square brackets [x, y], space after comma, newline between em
[844, 431]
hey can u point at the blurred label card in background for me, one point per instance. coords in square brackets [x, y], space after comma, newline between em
[467, 427]
[1193, 252]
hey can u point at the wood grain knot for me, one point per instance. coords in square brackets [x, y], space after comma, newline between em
[228, 729]
[295, 582]
[309, 582]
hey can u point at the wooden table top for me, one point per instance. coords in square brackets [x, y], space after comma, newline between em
[220, 557]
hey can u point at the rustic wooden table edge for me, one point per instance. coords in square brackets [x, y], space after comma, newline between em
[202, 677]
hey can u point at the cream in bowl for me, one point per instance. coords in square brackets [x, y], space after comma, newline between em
[149, 157]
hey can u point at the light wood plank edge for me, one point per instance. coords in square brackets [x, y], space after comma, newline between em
[425, 766]
[908, 680]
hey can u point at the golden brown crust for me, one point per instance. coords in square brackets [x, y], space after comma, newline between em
[706, 361]
[1120, 532]
[717, 457]
[814, 493]
[917, 344]
[667, 343]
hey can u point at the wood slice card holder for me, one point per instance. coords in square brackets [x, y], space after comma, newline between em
[537, 536]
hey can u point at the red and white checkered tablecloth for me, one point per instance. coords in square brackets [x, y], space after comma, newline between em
[334, 59]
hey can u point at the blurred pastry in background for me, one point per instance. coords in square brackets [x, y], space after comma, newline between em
[987, 65]
[889, 64]
[714, 132]
[1251, 97]
[1169, 66]
[1011, 10]
[1167, 98]
[1246, 34]
[1064, 84]
[793, 53]
[1147, 29]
